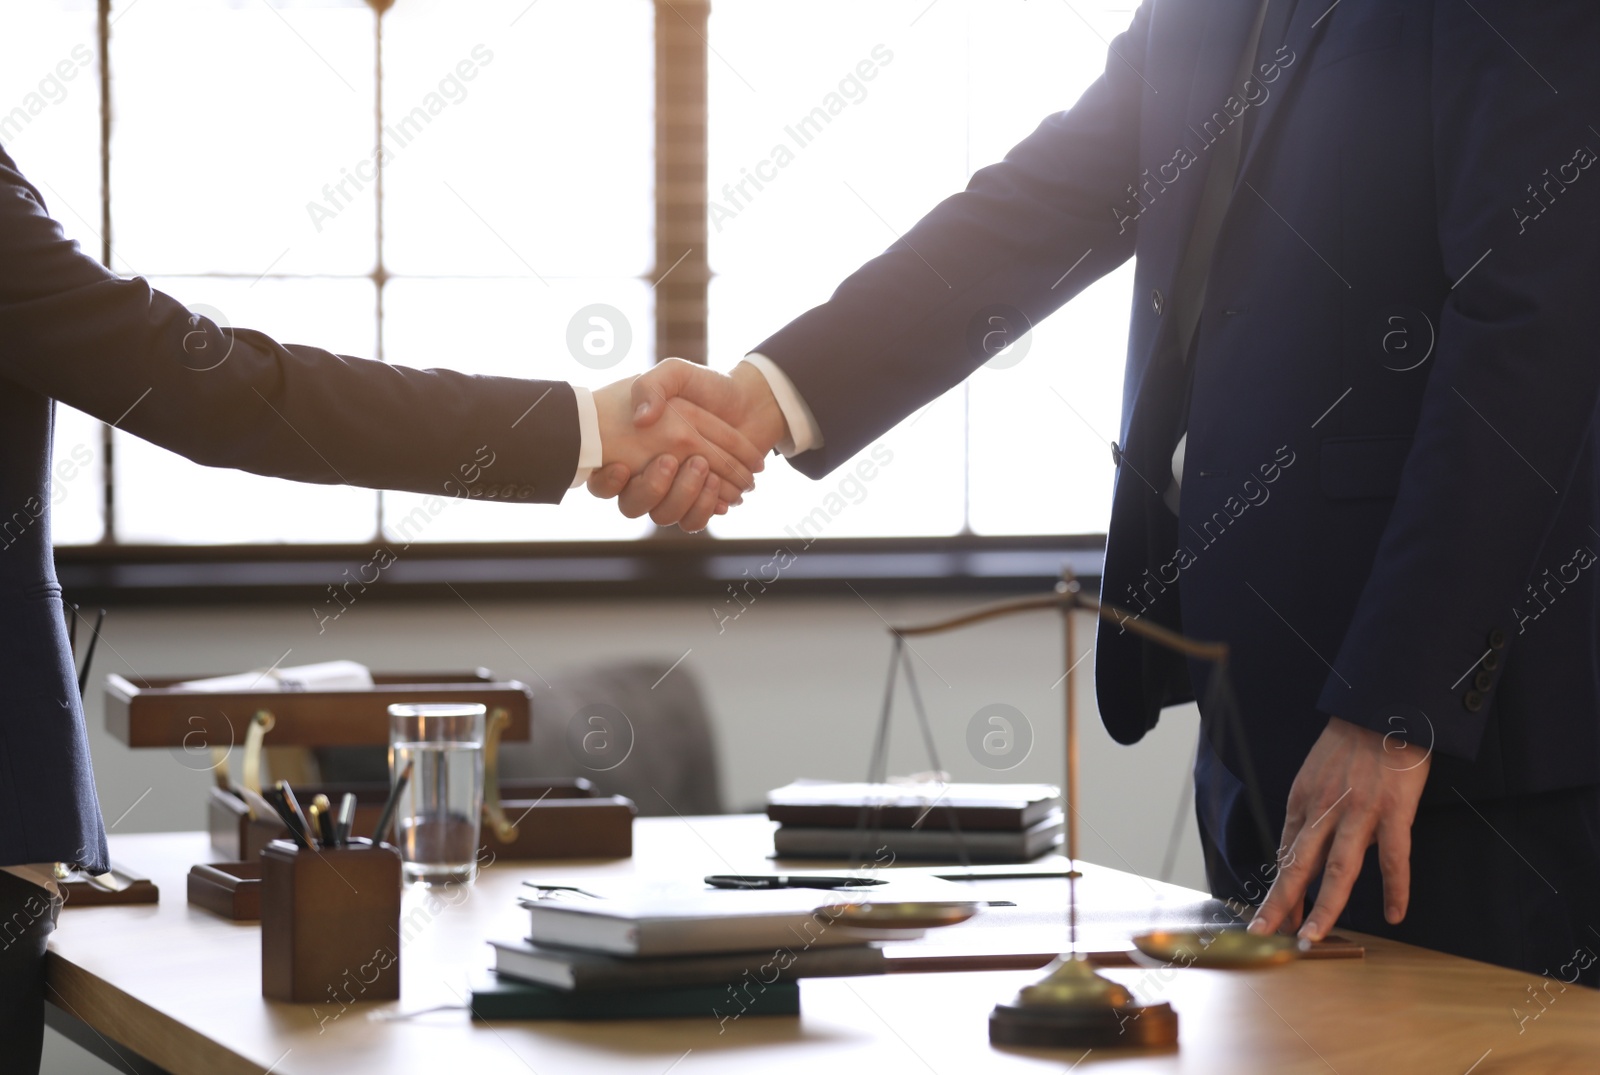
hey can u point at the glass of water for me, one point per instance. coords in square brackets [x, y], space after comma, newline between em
[436, 819]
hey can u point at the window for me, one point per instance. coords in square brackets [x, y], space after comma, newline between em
[951, 86]
[540, 159]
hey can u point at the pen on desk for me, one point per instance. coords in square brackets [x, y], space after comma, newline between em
[347, 818]
[387, 816]
[797, 880]
[299, 815]
[314, 820]
[280, 806]
[88, 657]
[323, 821]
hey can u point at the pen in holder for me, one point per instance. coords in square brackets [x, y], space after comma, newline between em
[330, 923]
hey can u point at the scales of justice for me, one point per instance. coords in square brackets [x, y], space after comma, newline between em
[1073, 1005]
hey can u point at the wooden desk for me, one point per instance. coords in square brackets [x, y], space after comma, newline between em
[180, 988]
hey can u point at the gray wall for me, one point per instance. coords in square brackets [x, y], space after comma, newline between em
[794, 685]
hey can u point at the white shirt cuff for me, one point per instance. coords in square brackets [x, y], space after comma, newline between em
[803, 432]
[589, 453]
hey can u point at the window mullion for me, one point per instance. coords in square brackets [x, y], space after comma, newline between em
[682, 269]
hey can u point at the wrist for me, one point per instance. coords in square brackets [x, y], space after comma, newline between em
[763, 420]
[613, 411]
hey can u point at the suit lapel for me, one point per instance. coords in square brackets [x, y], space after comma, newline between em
[1310, 19]
[1226, 26]
[1202, 39]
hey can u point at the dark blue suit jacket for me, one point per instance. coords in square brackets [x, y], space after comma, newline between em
[71, 331]
[1389, 508]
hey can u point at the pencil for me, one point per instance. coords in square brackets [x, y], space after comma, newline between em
[385, 818]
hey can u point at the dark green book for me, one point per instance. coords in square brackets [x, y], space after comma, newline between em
[495, 997]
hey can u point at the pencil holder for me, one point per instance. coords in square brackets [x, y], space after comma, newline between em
[330, 923]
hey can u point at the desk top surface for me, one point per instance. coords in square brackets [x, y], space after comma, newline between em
[181, 987]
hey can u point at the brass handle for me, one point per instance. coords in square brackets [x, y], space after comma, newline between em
[493, 812]
[260, 725]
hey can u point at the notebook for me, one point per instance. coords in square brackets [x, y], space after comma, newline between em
[923, 843]
[678, 917]
[584, 972]
[496, 997]
[926, 805]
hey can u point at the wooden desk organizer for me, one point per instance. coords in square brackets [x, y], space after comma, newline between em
[229, 889]
[151, 713]
[560, 817]
[330, 923]
[551, 828]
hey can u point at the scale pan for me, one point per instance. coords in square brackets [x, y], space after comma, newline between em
[1226, 948]
[912, 915]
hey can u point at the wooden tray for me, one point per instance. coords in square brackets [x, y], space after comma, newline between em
[150, 713]
[230, 889]
[80, 891]
[551, 828]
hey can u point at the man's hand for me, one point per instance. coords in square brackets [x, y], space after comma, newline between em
[671, 492]
[712, 460]
[1355, 788]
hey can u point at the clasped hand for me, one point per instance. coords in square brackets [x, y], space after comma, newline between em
[683, 442]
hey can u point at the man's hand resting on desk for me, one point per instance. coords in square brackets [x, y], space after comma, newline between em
[714, 461]
[668, 490]
[1357, 787]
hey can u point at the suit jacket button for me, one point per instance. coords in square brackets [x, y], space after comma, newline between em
[1157, 302]
[1483, 681]
[1497, 639]
[1116, 454]
[1473, 701]
[1490, 662]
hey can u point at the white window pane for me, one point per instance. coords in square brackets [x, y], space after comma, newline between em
[517, 328]
[232, 120]
[77, 479]
[50, 109]
[1041, 429]
[834, 188]
[519, 137]
[908, 483]
[1028, 60]
[164, 498]
[913, 98]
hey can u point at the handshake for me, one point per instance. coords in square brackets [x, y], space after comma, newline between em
[683, 442]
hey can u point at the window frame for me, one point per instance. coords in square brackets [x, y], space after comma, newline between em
[665, 563]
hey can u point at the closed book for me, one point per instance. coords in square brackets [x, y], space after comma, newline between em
[926, 805]
[584, 972]
[497, 997]
[924, 843]
[681, 917]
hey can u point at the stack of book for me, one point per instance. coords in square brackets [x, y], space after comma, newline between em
[909, 821]
[649, 950]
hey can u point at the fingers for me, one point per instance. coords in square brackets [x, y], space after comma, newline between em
[1284, 859]
[649, 487]
[685, 493]
[732, 456]
[1288, 891]
[1344, 864]
[705, 506]
[607, 482]
[1293, 826]
[652, 389]
[1394, 859]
